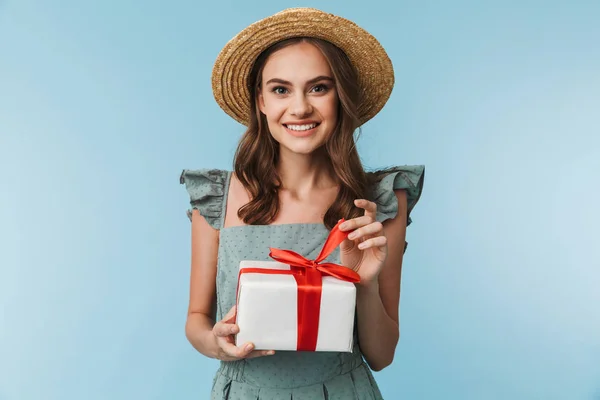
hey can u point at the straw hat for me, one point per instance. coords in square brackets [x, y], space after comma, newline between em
[232, 67]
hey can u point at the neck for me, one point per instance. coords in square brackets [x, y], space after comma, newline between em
[302, 174]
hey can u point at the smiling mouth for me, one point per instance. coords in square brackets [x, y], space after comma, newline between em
[301, 128]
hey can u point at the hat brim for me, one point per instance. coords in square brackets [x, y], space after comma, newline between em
[232, 67]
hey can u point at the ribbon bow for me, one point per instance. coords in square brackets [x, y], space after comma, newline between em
[302, 264]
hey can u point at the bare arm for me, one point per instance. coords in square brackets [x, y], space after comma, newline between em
[212, 339]
[378, 302]
[202, 303]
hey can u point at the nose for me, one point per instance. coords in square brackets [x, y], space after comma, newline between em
[300, 106]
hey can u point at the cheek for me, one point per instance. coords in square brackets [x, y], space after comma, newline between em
[273, 109]
[329, 107]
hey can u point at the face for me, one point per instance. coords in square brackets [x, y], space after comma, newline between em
[298, 98]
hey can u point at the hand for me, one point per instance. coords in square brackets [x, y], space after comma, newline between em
[224, 332]
[365, 249]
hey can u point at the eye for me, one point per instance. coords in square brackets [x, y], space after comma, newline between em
[320, 88]
[279, 90]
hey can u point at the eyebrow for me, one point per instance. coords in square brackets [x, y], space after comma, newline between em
[313, 80]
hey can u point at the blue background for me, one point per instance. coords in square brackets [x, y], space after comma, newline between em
[103, 103]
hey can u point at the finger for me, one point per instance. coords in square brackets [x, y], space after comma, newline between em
[371, 229]
[260, 353]
[231, 350]
[355, 223]
[377, 242]
[244, 350]
[222, 329]
[369, 207]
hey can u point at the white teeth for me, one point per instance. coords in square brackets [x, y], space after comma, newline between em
[301, 127]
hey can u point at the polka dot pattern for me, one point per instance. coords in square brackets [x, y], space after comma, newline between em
[286, 375]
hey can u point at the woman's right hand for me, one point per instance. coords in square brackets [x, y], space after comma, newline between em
[224, 332]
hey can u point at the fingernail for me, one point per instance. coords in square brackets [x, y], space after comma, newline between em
[249, 347]
[343, 226]
[361, 245]
[270, 352]
[352, 235]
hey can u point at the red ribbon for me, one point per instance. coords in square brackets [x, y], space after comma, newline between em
[309, 278]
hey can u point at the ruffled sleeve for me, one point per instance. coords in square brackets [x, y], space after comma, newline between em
[207, 189]
[409, 177]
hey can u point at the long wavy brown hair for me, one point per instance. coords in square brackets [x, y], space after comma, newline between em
[257, 153]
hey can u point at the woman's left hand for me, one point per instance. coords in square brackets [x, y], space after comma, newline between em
[365, 249]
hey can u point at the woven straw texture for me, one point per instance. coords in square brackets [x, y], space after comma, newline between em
[234, 62]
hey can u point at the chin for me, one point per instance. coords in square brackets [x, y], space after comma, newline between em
[305, 150]
[302, 146]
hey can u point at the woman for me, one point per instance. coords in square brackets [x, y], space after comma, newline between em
[302, 81]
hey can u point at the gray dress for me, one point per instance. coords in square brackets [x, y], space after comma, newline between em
[286, 375]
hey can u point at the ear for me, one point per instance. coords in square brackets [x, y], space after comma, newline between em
[261, 101]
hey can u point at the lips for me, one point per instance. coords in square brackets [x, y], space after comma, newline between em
[299, 127]
[301, 130]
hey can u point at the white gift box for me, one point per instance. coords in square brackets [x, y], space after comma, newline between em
[267, 313]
